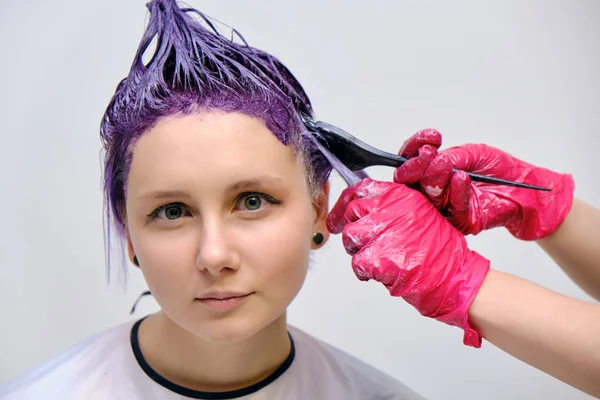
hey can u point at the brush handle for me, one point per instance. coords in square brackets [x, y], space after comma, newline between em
[396, 161]
[489, 179]
[355, 150]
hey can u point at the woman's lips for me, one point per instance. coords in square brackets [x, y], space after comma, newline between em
[223, 301]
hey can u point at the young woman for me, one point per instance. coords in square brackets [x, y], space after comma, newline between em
[220, 195]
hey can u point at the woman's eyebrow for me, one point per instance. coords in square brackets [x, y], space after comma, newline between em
[163, 194]
[237, 186]
[254, 183]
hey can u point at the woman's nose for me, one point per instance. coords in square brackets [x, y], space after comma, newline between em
[215, 253]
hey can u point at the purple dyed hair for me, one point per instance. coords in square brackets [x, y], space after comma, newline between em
[196, 68]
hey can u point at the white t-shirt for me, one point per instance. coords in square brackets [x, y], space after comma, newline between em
[110, 366]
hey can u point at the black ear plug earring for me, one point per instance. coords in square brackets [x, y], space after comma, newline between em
[135, 261]
[318, 238]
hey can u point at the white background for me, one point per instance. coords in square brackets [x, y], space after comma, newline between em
[520, 75]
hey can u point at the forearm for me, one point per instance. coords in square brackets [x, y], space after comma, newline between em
[575, 246]
[556, 334]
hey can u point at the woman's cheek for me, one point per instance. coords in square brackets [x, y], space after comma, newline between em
[168, 252]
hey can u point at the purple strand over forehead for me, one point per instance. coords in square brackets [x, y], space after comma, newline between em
[194, 67]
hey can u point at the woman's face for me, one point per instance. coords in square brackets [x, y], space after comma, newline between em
[221, 219]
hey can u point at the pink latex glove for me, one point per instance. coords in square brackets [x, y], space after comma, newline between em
[473, 206]
[397, 237]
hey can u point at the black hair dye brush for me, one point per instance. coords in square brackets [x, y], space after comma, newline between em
[357, 155]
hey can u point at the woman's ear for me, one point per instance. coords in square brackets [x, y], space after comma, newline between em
[321, 207]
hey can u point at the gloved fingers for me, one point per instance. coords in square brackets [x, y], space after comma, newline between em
[374, 261]
[436, 180]
[412, 171]
[459, 200]
[365, 223]
[357, 235]
[474, 157]
[410, 147]
[362, 265]
[364, 189]
[361, 270]
[335, 219]
[370, 263]
[359, 208]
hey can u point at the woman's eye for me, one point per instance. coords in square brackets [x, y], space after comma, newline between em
[252, 203]
[171, 212]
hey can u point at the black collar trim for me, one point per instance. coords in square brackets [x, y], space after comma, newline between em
[196, 394]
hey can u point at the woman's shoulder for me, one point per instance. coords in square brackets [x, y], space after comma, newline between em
[331, 364]
[71, 372]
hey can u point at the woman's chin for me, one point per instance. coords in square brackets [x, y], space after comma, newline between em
[229, 330]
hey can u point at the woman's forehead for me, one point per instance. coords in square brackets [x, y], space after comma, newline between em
[214, 146]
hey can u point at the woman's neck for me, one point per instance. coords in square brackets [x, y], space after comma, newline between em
[189, 361]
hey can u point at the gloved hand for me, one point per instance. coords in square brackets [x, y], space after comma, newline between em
[473, 206]
[397, 237]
